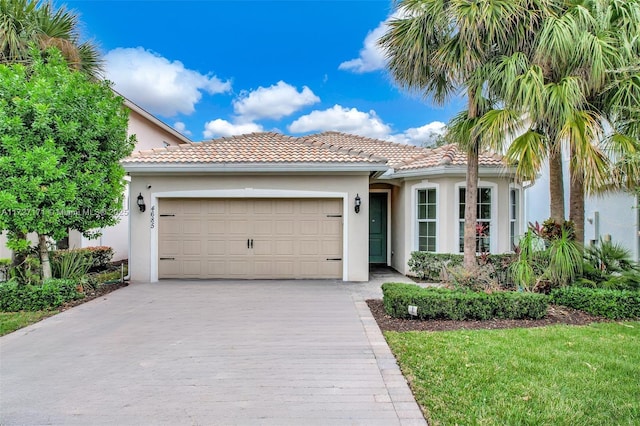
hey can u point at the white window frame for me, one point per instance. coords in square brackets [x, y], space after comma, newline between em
[414, 213]
[493, 222]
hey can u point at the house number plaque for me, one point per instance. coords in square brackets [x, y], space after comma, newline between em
[153, 217]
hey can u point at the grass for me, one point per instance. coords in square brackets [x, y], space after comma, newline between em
[560, 375]
[12, 321]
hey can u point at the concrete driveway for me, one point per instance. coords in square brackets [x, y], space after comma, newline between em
[208, 353]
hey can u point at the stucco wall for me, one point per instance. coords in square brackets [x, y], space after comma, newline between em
[143, 266]
[147, 134]
[447, 216]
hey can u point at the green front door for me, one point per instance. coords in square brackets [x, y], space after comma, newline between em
[378, 228]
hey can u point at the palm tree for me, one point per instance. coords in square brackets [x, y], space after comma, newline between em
[568, 90]
[28, 23]
[440, 48]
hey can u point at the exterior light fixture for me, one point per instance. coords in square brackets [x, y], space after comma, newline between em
[358, 203]
[140, 203]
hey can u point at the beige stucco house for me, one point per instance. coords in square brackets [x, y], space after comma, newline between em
[266, 205]
[150, 133]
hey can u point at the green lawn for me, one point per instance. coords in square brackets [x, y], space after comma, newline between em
[558, 375]
[11, 321]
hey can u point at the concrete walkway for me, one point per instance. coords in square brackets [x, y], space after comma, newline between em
[208, 353]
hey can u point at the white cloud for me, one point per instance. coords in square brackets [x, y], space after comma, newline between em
[218, 128]
[342, 119]
[276, 101]
[371, 57]
[157, 84]
[420, 136]
[182, 128]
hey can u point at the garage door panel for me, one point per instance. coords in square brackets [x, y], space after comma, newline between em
[292, 238]
[192, 248]
[216, 227]
[216, 247]
[192, 208]
[284, 207]
[309, 227]
[192, 226]
[331, 248]
[263, 227]
[169, 248]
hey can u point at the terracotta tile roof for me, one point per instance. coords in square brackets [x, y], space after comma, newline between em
[394, 153]
[327, 147]
[253, 148]
[450, 155]
[405, 157]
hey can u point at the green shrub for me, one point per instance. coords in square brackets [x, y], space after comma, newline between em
[101, 256]
[98, 257]
[441, 303]
[429, 266]
[72, 264]
[437, 267]
[612, 304]
[51, 294]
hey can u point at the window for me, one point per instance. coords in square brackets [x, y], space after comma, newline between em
[514, 213]
[427, 219]
[483, 227]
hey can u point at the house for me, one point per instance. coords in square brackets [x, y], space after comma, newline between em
[150, 133]
[613, 216]
[266, 205]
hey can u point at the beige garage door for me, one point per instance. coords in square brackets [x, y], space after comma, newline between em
[250, 238]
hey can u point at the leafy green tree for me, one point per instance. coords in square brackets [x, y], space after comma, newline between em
[579, 77]
[24, 23]
[62, 136]
[443, 48]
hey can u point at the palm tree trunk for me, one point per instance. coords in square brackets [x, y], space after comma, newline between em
[556, 184]
[471, 209]
[471, 195]
[44, 257]
[576, 203]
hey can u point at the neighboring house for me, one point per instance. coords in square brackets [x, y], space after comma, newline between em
[150, 133]
[266, 205]
[612, 216]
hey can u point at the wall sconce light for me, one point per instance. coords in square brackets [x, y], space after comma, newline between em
[358, 203]
[140, 203]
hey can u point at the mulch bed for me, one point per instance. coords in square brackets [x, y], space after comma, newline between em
[102, 290]
[556, 315]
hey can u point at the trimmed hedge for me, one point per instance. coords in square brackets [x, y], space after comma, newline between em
[612, 304]
[441, 303]
[16, 297]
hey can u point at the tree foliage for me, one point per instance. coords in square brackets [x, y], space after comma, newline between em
[25, 23]
[61, 138]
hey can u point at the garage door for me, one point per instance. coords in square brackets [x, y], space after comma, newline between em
[250, 238]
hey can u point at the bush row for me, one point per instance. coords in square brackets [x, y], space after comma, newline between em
[612, 304]
[51, 294]
[440, 303]
[428, 266]
[98, 257]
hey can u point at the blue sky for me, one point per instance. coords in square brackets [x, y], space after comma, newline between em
[217, 68]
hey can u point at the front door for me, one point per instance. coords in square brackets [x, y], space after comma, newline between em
[378, 228]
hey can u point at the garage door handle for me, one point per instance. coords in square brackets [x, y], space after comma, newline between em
[167, 258]
[248, 246]
[334, 258]
[252, 243]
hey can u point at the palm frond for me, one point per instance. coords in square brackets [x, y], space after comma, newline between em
[527, 152]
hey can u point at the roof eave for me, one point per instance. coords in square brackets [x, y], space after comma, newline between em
[142, 167]
[138, 109]
[484, 171]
